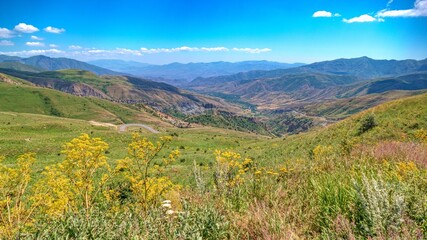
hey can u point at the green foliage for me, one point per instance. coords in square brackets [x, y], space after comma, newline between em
[228, 121]
[366, 124]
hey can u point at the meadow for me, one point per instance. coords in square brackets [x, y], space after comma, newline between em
[362, 178]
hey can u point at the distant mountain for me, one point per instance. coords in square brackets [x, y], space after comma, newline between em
[6, 58]
[361, 68]
[119, 65]
[189, 71]
[52, 64]
[19, 66]
[415, 81]
[367, 68]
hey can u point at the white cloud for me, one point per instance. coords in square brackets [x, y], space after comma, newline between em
[74, 47]
[169, 50]
[252, 50]
[322, 14]
[125, 51]
[362, 18]
[53, 46]
[36, 38]
[419, 10]
[6, 43]
[26, 28]
[215, 49]
[325, 14]
[6, 33]
[35, 52]
[184, 49]
[107, 53]
[54, 30]
[35, 44]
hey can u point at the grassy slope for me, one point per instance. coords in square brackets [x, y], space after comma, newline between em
[341, 108]
[29, 99]
[19, 66]
[45, 135]
[396, 120]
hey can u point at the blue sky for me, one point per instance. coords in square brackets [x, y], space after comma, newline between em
[164, 31]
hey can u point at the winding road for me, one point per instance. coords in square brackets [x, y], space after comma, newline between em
[123, 127]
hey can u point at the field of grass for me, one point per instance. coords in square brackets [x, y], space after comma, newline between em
[364, 177]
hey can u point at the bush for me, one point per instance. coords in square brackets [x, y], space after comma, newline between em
[366, 124]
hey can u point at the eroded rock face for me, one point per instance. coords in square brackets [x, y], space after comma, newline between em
[78, 89]
[4, 78]
[81, 89]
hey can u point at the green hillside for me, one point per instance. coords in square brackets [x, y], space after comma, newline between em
[19, 66]
[29, 99]
[396, 120]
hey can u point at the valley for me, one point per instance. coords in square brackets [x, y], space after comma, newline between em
[220, 149]
[213, 120]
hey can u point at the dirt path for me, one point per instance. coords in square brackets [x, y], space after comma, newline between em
[123, 127]
[94, 123]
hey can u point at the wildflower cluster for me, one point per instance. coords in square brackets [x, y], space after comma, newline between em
[75, 183]
[230, 170]
[15, 213]
[143, 170]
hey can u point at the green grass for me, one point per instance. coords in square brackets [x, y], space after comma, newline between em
[330, 195]
[45, 135]
[29, 99]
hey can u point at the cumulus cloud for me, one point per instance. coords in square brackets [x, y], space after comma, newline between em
[6, 33]
[327, 14]
[35, 44]
[362, 18]
[419, 10]
[36, 38]
[35, 52]
[6, 43]
[25, 28]
[74, 47]
[53, 46]
[54, 30]
[252, 50]
[322, 14]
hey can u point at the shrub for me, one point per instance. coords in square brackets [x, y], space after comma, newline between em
[366, 124]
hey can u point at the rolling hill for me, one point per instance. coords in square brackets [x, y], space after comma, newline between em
[22, 97]
[131, 90]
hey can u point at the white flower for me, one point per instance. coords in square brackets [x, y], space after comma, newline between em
[166, 205]
[169, 212]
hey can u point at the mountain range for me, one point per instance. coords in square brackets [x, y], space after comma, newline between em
[362, 68]
[276, 101]
[44, 63]
[178, 73]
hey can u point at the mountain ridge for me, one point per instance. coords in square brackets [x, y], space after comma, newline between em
[51, 64]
